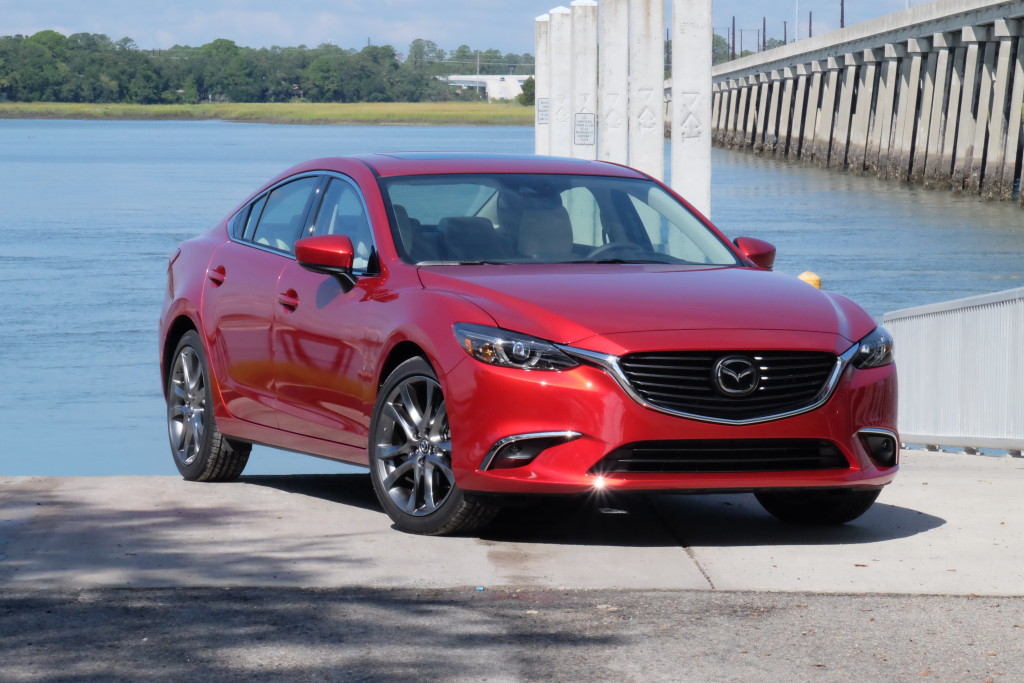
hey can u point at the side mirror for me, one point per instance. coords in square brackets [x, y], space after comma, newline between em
[328, 254]
[760, 252]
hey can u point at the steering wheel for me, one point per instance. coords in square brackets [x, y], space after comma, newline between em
[624, 248]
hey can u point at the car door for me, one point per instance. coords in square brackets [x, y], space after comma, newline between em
[320, 369]
[241, 295]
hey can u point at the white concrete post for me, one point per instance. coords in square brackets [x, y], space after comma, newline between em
[971, 36]
[542, 87]
[796, 137]
[925, 123]
[789, 79]
[561, 81]
[811, 113]
[584, 78]
[1012, 131]
[691, 102]
[906, 110]
[1005, 31]
[939, 174]
[647, 86]
[881, 133]
[613, 81]
[844, 117]
[861, 127]
[986, 82]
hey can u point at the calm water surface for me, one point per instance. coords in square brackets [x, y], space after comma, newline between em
[90, 211]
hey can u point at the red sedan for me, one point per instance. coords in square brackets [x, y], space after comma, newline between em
[473, 327]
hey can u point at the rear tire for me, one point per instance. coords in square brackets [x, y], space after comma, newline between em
[200, 451]
[817, 507]
[411, 457]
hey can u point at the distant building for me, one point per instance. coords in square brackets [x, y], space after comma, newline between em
[496, 87]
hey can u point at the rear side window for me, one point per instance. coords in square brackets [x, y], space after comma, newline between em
[281, 220]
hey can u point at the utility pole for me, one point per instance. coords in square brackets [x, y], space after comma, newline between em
[733, 48]
[785, 33]
[810, 24]
[842, 13]
[764, 33]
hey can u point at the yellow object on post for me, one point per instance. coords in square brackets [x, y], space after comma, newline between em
[813, 279]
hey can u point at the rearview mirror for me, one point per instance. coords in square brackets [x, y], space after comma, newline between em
[760, 252]
[328, 254]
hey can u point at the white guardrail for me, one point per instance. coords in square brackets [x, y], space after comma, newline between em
[961, 370]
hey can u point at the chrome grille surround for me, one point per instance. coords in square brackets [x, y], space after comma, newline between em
[613, 365]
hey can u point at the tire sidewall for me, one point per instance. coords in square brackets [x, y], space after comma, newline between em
[195, 469]
[439, 518]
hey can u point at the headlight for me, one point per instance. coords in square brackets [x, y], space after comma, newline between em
[507, 349]
[875, 350]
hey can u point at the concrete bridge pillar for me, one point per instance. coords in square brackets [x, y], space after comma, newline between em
[800, 107]
[902, 149]
[826, 112]
[761, 119]
[613, 79]
[972, 37]
[647, 86]
[740, 138]
[841, 135]
[986, 95]
[785, 111]
[584, 78]
[929, 132]
[860, 126]
[939, 173]
[991, 179]
[1013, 130]
[542, 86]
[560, 54]
[877, 159]
[771, 135]
[812, 112]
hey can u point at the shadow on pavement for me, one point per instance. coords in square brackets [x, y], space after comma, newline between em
[344, 489]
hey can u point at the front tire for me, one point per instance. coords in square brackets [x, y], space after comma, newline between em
[200, 451]
[411, 457]
[817, 507]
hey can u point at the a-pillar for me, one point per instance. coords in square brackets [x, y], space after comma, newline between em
[647, 86]
[542, 88]
[877, 159]
[841, 136]
[861, 125]
[991, 178]
[972, 37]
[933, 116]
[584, 78]
[800, 105]
[785, 112]
[826, 115]
[939, 173]
[613, 82]
[906, 110]
[691, 101]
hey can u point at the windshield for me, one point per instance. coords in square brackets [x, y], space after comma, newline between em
[533, 218]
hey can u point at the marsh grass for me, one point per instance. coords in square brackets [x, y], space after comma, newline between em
[385, 113]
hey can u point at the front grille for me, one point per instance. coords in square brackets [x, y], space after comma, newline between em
[722, 455]
[684, 382]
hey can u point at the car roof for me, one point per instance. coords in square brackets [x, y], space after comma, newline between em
[432, 163]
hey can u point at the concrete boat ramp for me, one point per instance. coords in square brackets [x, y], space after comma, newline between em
[303, 578]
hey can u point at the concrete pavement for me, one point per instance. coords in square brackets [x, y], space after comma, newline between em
[950, 525]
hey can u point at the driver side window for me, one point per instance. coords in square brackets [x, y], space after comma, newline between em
[342, 213]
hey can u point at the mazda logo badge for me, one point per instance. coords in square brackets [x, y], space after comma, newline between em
[736, 376]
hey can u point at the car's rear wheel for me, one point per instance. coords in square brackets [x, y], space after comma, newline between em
[411, 457]
[200, 451]
[817, 507]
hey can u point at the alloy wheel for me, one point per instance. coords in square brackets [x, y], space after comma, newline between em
[186, 407]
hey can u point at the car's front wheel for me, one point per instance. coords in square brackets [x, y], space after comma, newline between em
[200, 451]
[820, 507]
[411, 457]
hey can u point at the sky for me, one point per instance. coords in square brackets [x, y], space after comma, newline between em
[505, 25]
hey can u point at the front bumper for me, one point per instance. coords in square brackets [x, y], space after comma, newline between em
[488, 405]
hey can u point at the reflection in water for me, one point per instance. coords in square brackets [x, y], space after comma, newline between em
[92, 210]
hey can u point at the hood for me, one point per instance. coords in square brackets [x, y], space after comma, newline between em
[567, 303]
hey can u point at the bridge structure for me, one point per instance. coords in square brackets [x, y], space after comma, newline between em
[932, 95]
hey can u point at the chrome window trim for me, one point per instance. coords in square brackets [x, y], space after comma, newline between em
[610, 364]
[565, 436]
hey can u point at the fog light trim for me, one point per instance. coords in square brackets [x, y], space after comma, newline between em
[882, 445]
[525, 453]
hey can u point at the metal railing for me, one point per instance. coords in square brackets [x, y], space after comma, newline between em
[961, 369]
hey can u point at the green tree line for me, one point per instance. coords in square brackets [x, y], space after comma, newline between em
[87, 67]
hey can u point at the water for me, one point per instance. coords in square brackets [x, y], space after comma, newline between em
[90, 211]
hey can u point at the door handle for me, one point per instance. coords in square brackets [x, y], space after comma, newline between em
[289, 299]
[217, 275]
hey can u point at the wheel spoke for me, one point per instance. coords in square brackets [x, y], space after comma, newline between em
[409, 403]
[398, 473]
[402, 420]
[428, 406]
[389, 452]
[440, 464]
[440, 422]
